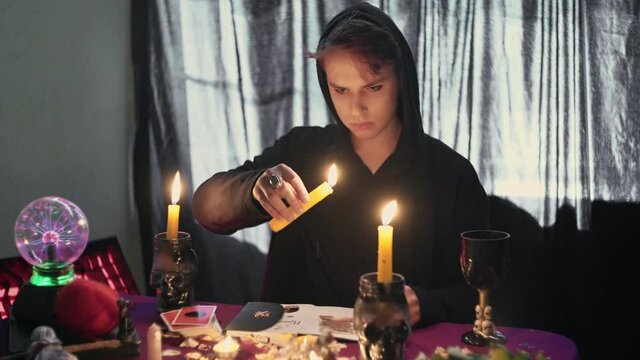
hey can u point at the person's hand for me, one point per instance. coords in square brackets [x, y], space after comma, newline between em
[277, 187]
[414, 305]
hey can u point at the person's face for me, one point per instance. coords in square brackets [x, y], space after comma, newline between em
[366, 102]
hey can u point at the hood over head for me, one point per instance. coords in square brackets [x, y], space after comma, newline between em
[408, 103]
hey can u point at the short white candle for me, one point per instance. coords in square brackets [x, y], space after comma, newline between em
[154, 342]
[227, 348]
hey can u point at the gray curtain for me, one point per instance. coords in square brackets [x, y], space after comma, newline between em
[542, 96]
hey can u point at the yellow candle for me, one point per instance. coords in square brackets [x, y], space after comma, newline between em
[385, 244]
[325, 189]
[173, 215]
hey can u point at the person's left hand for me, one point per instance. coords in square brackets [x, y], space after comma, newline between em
[414, 305]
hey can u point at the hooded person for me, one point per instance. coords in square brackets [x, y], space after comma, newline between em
[368, 77]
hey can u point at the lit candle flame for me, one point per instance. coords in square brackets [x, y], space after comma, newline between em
[175, 189]
[333, 175]
[227, 343]
[389, 212]
[314, 356]
[226, 346]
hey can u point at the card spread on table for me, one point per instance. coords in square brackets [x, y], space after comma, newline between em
[270, 319]
[195, 315]
[256, 316]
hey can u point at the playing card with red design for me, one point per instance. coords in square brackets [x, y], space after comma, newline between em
[196, 315]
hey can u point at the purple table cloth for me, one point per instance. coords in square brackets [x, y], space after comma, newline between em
[423, 340]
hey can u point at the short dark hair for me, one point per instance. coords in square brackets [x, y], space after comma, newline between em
[375, 45]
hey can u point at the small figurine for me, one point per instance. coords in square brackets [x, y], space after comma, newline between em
[487, 325]
[126, 331]
[483, 325]
[45, 345]
[477, 325]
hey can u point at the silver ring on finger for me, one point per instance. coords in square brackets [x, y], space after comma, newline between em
[275, 181]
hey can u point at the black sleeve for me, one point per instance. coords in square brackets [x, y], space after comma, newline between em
[224, 203]
[455, 301]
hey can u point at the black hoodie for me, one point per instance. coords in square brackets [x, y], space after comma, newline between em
[320, 256]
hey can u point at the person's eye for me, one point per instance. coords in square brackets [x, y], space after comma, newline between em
[339, 90]
[375, 87]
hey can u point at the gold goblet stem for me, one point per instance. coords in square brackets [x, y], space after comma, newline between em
[484, 300]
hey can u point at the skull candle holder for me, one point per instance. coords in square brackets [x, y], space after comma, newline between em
[381, 318]
[174, 271]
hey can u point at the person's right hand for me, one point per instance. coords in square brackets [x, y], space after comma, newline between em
[414, 305]
[272, 196]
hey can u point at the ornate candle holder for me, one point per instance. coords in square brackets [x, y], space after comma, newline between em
[174, 271]
[381, 318]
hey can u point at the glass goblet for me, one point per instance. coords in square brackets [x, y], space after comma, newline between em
[484, 260]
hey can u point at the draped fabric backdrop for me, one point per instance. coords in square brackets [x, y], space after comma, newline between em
[542, 96]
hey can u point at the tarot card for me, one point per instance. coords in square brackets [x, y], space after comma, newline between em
[196, 315]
